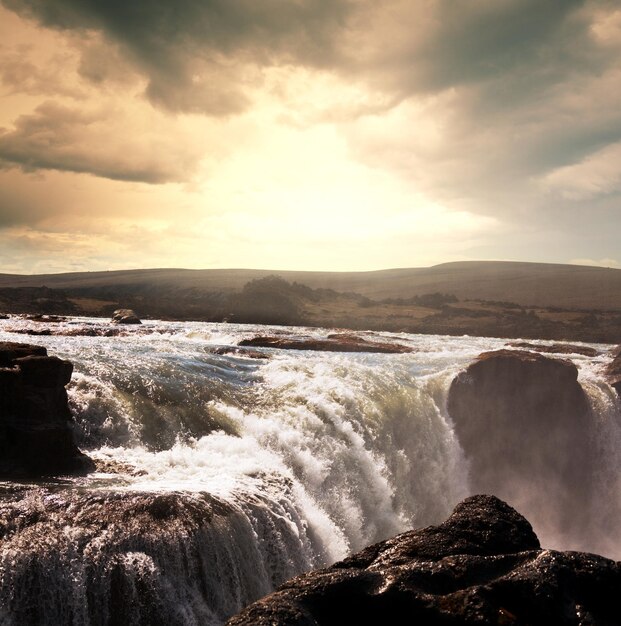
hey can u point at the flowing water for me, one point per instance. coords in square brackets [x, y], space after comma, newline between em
[220, 475]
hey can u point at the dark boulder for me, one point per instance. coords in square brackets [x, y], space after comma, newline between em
[482, 566]
[125, 316]
[525, 425]
[36, 438]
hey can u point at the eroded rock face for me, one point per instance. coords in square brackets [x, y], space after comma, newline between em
[525, 425]
[482, 566]
[125, 316]
[35, 421]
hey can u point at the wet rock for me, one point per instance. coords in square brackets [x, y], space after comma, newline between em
[34, 332]
[125, 316]
[3, 316]
[36, 438]
[524, 423]
[613, 371]
[80, 331]
[482, 566]
[243, 352]
[10, 351]
[334, 343]
[555, 348]
[79, 556]
[50, 319]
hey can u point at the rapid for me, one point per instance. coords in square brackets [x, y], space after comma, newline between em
[221, 475]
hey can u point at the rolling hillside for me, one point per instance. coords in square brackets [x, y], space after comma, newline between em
[526, 284]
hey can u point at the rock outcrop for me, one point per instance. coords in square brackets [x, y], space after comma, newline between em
[613, 370]
[525, 425]
[125, 316]
[337, 342]
[482, 566]
[35, 421]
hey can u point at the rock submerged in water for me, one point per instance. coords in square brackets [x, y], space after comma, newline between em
[36, 438]
[125, 316]
[482, 566]
[525, 425]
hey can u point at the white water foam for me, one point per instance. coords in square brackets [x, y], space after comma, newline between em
[318, 454]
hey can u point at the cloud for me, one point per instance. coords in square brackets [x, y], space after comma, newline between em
[201, 55]
[105, 143]
[506, 110]
[599, 174]
[486, 114]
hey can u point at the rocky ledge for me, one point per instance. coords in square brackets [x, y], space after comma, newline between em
[482, 566]
[36, 438]
[337, 342]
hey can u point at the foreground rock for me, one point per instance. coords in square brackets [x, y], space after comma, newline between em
[525, 425]
[125, 316]
[334, 343]
[482, 566]
[35, 422]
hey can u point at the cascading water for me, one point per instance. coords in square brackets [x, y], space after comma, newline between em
[220, 476]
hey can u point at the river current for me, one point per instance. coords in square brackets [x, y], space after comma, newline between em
[271, 467]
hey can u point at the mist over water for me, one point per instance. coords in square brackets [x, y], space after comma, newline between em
[259, 469]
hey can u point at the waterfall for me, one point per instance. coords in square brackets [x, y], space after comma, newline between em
[220, 477]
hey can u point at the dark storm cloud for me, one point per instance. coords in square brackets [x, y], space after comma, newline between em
[531, 88]
[475, 41]
[60, 138]
[197, 53]
[187, 48]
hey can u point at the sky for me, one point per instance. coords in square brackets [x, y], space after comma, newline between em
[308, 134]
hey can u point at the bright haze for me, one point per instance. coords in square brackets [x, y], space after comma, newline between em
[308, 134]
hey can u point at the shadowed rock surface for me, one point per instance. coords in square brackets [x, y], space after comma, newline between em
[35, 421]
[334, 343]
[483, 566]
[524, 423]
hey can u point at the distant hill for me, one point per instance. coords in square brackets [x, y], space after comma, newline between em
[526, 284]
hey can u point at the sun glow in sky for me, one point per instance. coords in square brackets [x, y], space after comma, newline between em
[340, 135]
